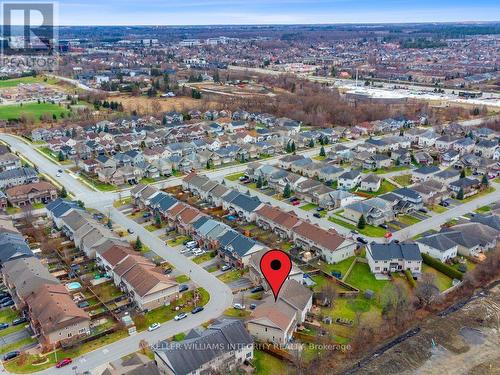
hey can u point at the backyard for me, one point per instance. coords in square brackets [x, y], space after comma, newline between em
[443, 281]
[403, 180]
[385, 187]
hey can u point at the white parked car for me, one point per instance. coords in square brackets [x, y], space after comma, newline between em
[191, 244]
[180, 316]
[185, 250]
[197, 251]
[154, 326]
[239, 306]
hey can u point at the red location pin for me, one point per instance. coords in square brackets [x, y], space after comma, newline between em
[275, 265]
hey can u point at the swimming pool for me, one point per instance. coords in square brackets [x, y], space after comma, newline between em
[73, 285]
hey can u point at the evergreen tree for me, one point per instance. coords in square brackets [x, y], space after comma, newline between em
[60, 156]
[110, 224]
[288, 148]
[63, 193]
[484, 181]
[460, 195]
[292, 147]
[208, 164]
[361, 222]
[158, 221]
[138, 244]
[287, 192]
[311, 143]
[462, 173]
[259, 182]
[322, 152]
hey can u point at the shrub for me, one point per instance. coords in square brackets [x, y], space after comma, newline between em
[440, 266]
[410, 278]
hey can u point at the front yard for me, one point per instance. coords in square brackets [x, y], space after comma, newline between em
[403, 180]
[178, 241]
[369, 230]
[234, 177]
[385, 187]
[204, 257]
[230, 276]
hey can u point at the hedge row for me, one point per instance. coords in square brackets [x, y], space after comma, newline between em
[440, 266]
[410, 278]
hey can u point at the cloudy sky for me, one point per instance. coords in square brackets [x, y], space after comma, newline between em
[203, 12]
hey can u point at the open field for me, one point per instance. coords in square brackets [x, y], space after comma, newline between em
[143, 104]
[5, 83]
[31, 109]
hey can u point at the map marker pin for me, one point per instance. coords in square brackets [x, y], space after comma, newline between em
[275, 265]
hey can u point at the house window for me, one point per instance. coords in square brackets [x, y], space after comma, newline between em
[249, 354]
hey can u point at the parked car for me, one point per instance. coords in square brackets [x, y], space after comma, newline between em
[4, 326]
[167, 271]
[196, 310]
[180, 316]
[83, 304]
[154, 326]
[64, 362]
[385, 226]
[130, 230]
[296, 203]
[319, 209]
[362, 240]
[191, 244]
[253, 306]
[60, 170]
[317, 215]
[18, 321]
[5, 299]
[183, 288]
[8, 303]
[225, 267]
[11, 355]
[354, 231]
[58, 175]
[4, 294]
[185, 250]
[239, 306]
[424, 210]
[146, 215]
[197, 251]
[257, 289]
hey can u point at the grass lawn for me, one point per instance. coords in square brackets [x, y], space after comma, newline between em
[309, 207]
[320, 158]
[235, 313]
[266, 364]
[13, 210]
[51, 156]
[443, 282]
[97, 184]
[391, 169]
[369, 230]
[362, 278]
[407, 219]
[182, 279]
[230, 276]
[235, 176]
[7, 316]
[151, 227]
[385, 187]
[30, 366]
[438, 209]
[212, 268]
[491, 189]
[403, 180]
[178, 337]
[5, 83]
[107, 291]
[483, 210]
[166, 313]
[17, 345]
[122, 202]
[341, 267]
[348, 307]
[178, 241]
[469, 264]
[35, 110]
[204, 257]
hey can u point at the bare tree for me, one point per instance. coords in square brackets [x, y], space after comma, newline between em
[426, 289]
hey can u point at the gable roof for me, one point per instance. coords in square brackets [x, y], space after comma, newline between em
[393, 250]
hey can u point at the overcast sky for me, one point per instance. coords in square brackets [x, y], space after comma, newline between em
[206, 12]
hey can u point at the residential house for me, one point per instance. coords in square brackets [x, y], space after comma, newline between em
[9, 161]
[225, 346]
[473, 238]
[273, 322]
[423, 158]
[449, 158]
[55, 317]
[241, 204]
[469, 186]
[377, 161]
[17, 176]
[236, 249]
[31, 194]
[349, 180]
[438, 246]
[424, 173]
[393, 257]
[331, 246]
[486, 148]
[273, 218]
[447, 176]
[371, 183]
[375, 210]
[257, 278]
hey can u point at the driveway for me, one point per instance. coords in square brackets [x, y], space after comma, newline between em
[14, 337]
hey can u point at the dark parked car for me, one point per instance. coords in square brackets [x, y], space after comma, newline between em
[167, 271]
[83, 304]
[362, 240]
[253, 306]
[18, 321]
[258, 288]
[183, 288]
[4, 294]
[196, 310]
[319, 209]
[384, 226]
[11, 355]
[5, 299]
[317, 215]
[8, 303]
[4, 326]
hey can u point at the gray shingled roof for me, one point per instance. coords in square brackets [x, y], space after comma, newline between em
[392, 250]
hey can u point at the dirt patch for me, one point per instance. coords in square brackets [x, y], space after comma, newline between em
[464, 342]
